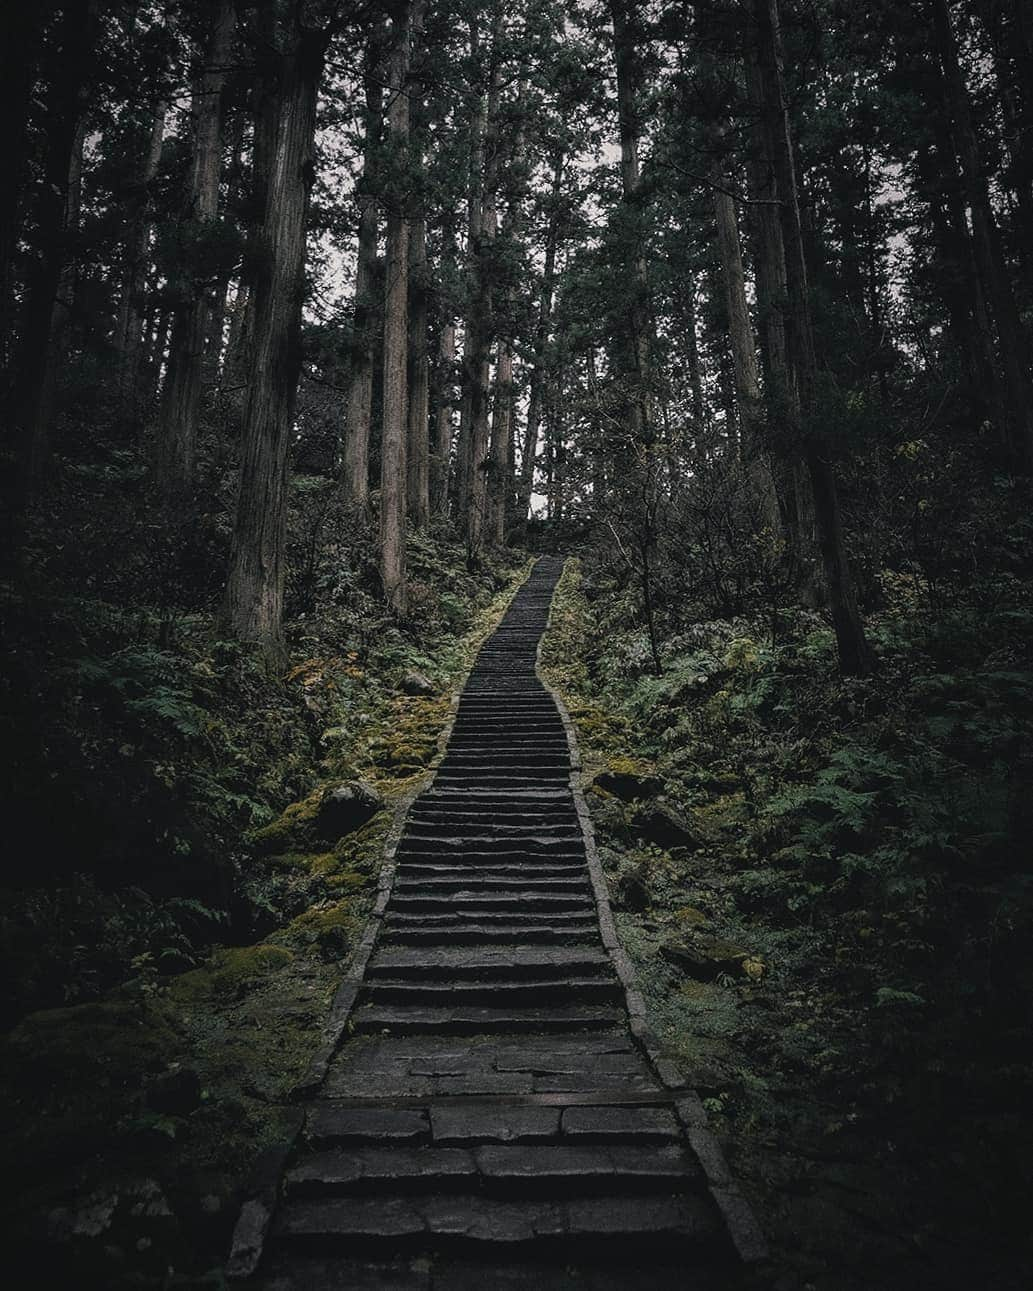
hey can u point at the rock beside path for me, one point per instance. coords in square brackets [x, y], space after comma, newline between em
[345, 807]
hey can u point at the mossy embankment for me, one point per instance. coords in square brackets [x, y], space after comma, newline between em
[136, 1115]
[824, 886]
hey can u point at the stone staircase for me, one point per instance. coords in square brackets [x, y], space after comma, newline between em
[492, 1119]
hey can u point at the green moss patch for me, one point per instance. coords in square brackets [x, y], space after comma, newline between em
[230, 973]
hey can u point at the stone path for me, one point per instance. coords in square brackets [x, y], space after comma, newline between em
[497, 1116]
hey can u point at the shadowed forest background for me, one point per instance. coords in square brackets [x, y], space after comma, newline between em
[316, 321]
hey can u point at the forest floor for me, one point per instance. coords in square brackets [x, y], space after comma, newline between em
[823, 884]
[824, 887]
[134, 1114]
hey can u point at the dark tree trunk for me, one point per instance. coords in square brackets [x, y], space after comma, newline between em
[989, 254]
[128, 326]
[253, 606]
[181, 396]
[541, 341]
[358, 414]
[855, 656]
[55, 204]
[474, 426]
[639, 410]
[21, 29]
[419, 378]
[393, 472]
[444, 383]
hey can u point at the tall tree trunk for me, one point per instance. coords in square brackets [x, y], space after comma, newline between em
[67, 73]
[501, 444]
[253, 605]
[152, 353]
[263, 41]
[61, 309]
[479, 328]
[181, 397]
[233, 355]
[358, 413]
[216, 336]
[129, 323]
[471, 324]
[989, 253]
[639, 411]
[444, 380]
[855, 655]
[1015, 98]
[396, 404]
[21, 30]
[500, 457]
[419, 378]
[541, 340]
[744, 351]
[443, 418]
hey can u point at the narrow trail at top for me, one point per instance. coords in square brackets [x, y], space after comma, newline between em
[492, 1111]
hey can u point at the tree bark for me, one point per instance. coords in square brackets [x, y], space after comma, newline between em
[419, 378]
[359, 398]
[855, 655]
[444, 391]
[500, 479]
[541, 340]
[639, 409]
[744, 352]
[501, 444]
[253, 605]
[396, 404]
[56, 202]
[474, 428]
[61, 309]
[21, 26]
[181, 397]
[989, 253]
[128, 326]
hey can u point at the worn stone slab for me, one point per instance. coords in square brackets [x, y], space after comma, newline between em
[400, 1167]
[618, 1123]
[460, 1125]
[364, 1125]
[571, 1062]
[395, 959]
[540, 1164]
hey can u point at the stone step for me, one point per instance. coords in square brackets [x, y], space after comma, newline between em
[458, 779]
[468, 902]
[447, 917]
[479, 933]
[507, 810]
[495, 992]
[599, 1228]
[484, 882]
[472, 1020]
[497, 801]
[497, 1170]
[493, 775]
[463, 962]
[467, 1125]
[456, 864]
[508, 727]
[485, 758]
[327, 1125]
[510, 739]
[474, 828]
[489, 844]
[475, 1270]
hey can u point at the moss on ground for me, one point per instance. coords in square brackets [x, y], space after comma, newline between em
[852, 854]
[123, 1183]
